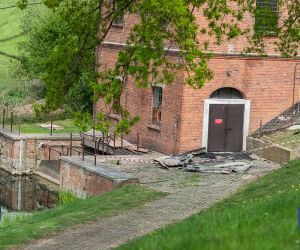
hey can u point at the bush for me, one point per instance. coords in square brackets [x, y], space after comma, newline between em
[67, 197]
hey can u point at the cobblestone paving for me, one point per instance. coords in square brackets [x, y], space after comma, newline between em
[189, 194]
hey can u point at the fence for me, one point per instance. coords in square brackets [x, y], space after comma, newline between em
[287, 118]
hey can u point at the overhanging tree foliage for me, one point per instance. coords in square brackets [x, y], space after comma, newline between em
[163, 24]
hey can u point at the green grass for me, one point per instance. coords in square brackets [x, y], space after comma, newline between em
[281, 137]
[35, 128]
[13, 88]
[52, 221]
[263, 215]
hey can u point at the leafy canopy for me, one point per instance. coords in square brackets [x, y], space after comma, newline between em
[164, 27]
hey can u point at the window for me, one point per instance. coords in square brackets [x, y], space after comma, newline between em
[119, 21]
[266, 17]
[156, 105]
[226, 93]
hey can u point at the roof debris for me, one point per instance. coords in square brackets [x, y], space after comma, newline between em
[201, 161]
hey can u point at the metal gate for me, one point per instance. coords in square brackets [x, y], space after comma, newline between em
[226, 122]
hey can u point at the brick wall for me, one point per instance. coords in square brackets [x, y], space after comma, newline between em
[22, 153]
[237, 45]
[85, 179]
[267, 83]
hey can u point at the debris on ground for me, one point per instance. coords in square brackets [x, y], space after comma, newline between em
[207, 162]
[223, 168]
[174, 161]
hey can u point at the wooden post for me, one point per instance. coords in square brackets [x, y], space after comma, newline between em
[94, 128]
[6, 105]
[3, 118]
[11, 120]
[95, 159]
[49, 154]
[114, 141]
[83, 148]
[260, 127]
[71, 143]
[137, 141]
[103, 139]
[122, 140]
[51, 126]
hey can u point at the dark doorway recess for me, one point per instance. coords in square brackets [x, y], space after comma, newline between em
[225, 131]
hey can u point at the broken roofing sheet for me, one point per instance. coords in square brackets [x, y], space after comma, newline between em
[201, 161]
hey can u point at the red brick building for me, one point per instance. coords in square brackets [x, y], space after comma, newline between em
[244, 92]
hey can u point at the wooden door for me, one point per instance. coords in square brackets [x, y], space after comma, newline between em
[225, 130]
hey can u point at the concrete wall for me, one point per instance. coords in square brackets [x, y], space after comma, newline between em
[84, 179]
[271, 152]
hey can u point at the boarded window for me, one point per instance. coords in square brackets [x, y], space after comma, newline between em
[156, 105]
[266, 17]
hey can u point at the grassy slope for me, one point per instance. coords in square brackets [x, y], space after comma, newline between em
[261, 216]
[9, 26]
[12, 89]
[281, 137]
[51, 221]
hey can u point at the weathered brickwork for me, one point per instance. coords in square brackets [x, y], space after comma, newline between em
[85, 179]
[23, 153]
[267, 82]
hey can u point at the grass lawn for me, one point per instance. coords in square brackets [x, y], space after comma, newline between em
[35, 128]
[263, 215]
[12, 88]
[280, 137]
[48, 222]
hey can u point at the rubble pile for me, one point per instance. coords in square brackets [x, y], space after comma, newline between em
[202, 161]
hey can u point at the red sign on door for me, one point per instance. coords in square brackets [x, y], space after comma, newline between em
[218, 121]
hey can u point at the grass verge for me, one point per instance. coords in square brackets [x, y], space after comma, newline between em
[34, 128]
[263, 215]
[45, 223]
[284, 137]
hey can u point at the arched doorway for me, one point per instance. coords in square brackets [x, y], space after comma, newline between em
[226, 121]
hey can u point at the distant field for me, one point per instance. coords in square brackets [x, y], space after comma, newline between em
[12, 89]
[9, 26]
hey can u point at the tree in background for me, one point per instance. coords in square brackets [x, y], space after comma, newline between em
[44, 55]
[69, 61]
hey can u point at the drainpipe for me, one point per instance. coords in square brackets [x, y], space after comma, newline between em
[176, 134]
[19, 194]
[294, 89]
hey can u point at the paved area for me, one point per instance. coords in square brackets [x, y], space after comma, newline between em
[189, 194]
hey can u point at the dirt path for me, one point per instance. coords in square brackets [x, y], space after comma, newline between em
[111, 232]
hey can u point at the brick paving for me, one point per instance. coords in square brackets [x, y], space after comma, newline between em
[188, 195]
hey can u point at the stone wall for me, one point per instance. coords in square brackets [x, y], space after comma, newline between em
[22, 153]
[84, 179]
[271, 152]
